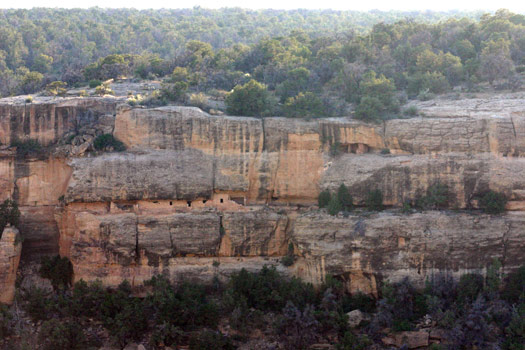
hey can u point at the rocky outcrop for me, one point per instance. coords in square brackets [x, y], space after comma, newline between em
[196, 196]
[47, 120]
[394, 246]
[10, 250]
[111, 243]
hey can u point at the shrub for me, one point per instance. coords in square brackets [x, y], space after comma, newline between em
[493, 278]
[493, 202]
[374, 200]
[425, 96]
[471, 330]
[93, 83]
[210, 340]
[56, 88]
[58, 270]
[199, 100]
[370, 109]
[86, 299]
[406, 208]
[304, 105]
[323, 199]
[37, 304]
[268, 290]
[130, 323]
[5, 321]
[9, 214]
[335, 149]
[344, 197]
[250, 99]
[27, 147]
[29, 99]
[436, 197]
[515, 331]
[186, 307]
[297, 329]
[514, 287]
[334, 206]
[104, 89]
[434, 82]
[175, 92]
[385, 151]
[411, 111]
[65, 335]
[289, 259]
[359, 301]
[352, 342]
[166, 334]
[469, 287]
[107, 142]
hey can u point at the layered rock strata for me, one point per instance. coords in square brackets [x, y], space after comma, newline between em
[197, 195]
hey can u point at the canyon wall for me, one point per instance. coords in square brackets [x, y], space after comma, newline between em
[10, 250]
[197, 196]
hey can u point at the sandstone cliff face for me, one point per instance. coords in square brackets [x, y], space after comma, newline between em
[195, 189]
[10, 249]
[48, 119]
[417, 246]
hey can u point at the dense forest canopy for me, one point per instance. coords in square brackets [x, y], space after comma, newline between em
[302, 62]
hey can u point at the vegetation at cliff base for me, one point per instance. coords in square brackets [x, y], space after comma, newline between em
[475, 311]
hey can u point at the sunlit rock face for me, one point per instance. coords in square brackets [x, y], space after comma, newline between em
[197, 196]
[10, 251]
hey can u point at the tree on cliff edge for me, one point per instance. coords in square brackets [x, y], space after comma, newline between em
[250, 99]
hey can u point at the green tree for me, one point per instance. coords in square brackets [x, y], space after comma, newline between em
[374, 200]
[58, 270]
[42, 63]
[304, 105]
[31, 82]
[324, 198]
[344, 197]
[295, 83]
[57, 334]
[334, 206]
[174, 92]
[370, 109]
[496, 62]
[250, 99]
[104, 89]
[377, 97]
[493, 202]
[56, 88]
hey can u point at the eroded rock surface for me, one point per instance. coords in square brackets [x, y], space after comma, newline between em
[10, 250]
[197, 195]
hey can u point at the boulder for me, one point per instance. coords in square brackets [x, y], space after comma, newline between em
[356, 317]
[412, 339]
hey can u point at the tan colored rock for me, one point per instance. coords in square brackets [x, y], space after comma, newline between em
[254, 233]
[412, 339]
[10, 251]
[113, 246]
[356, 317]
[47, 119]
[395, 246]
[191, 188]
